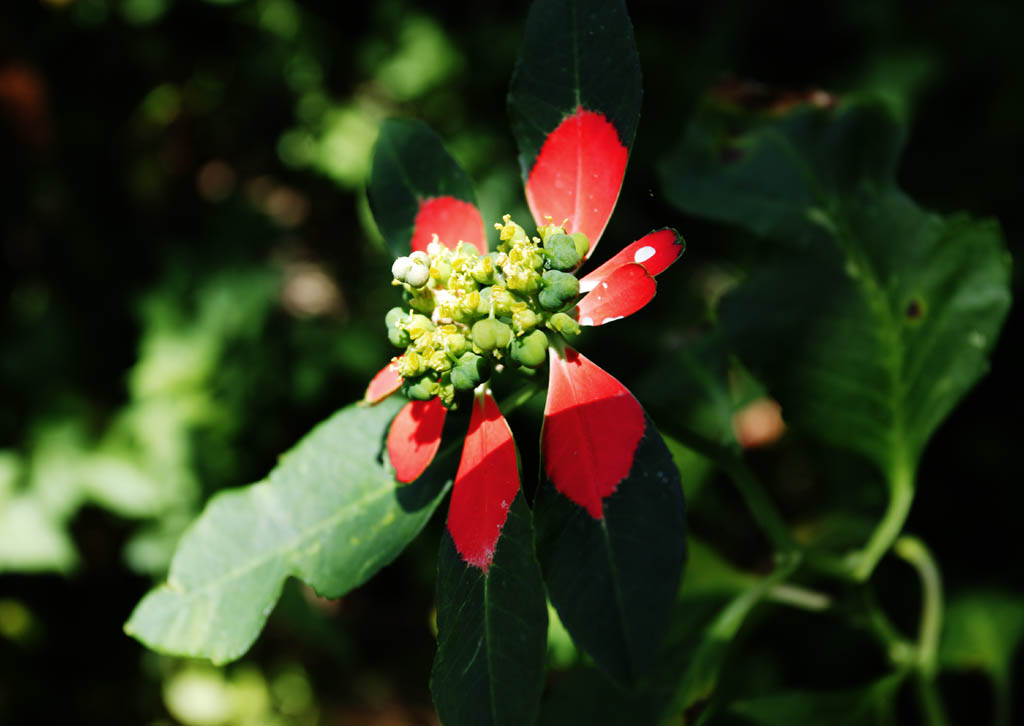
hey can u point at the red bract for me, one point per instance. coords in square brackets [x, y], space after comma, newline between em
[592, 423]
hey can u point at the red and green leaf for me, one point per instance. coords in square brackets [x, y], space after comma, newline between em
[491, 630]
[627, 289]
[414, 437]
[610, 505]
[485, 485]
[574, 104]
[656, 251]
[417, 190]
[387, 381]
[592, 426]
[577, 175]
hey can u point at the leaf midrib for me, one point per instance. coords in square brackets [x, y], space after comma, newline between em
[295, 543]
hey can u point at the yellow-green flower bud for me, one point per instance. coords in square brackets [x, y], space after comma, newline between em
[483, 271]
[562, 323]
[418, 325]
[582, 244]
[457, 344]
[523, 321]
[490, 334]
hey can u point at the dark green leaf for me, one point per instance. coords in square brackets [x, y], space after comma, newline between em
[871, 705]
[614, 580]
[410, 165]
[330, 513]
[573, 53]
[586, 696]
[492, 631]
[877, 317]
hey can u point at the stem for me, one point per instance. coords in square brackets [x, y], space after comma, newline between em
[761, 507]
[901, 496]
[931, 703]
[914, 552]
[799, 597]
[901, 651]
[519, 398]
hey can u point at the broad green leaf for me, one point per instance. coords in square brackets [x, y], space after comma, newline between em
[491, 631]
[983, 629]
[330, 514]
[874, 317]
[614, 580]
[412, 167]
[871, 705]
[573, 53]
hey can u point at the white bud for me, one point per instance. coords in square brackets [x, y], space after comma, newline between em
[417, 275]
[419, 258]
[400, 268]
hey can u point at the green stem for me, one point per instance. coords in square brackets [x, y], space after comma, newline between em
[799, 597]
[761, 507]
[901, 496]
[931, 703]
[519, 398]
[916, 553]
[902, 653]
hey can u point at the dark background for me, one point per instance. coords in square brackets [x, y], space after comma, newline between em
[190, 281]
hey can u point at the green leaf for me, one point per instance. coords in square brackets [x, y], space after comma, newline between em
[614, 580]
[873, 317]
[330, 513]
[871, 705]
[983, 629]
[491, 631]
[573, 53]
[876, 317]
[410, 166]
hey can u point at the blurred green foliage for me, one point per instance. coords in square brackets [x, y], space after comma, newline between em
[191, 281]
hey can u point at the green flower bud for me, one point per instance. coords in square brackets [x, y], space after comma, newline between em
[582, 244]
[564, 324]
[561, 252]
[420, 389]
[470, 372]
[559, 289]
[398, 337]
[530, 350]
[489, 334]
[395, 316]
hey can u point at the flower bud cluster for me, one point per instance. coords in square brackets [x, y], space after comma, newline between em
[467, 314]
